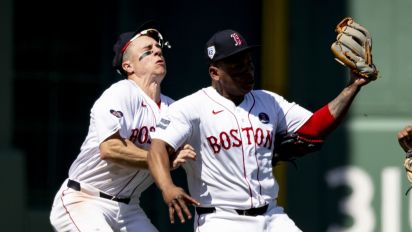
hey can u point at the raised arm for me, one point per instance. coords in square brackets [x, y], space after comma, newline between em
[340, 105]
[353, 48]
[326, 119]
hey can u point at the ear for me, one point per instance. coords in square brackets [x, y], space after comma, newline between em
[214, 73]
[127, 67]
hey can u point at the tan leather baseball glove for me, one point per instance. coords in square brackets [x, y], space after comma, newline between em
[353, 48]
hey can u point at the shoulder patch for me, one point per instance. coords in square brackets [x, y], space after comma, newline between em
[163, 123]
[264, 118]
[118, 114]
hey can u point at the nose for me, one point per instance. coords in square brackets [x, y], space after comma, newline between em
[157, 51]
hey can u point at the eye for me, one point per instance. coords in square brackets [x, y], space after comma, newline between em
[146, 53]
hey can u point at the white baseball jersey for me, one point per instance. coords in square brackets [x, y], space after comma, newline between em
[123, 107]
[234, 144]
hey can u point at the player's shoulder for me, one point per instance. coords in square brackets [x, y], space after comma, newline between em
[122, 86]
[166, 99]
[191, 100]
[122, 90]
[266, 94]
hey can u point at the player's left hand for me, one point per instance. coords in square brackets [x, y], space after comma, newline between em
[359, 80]
[182, 155]
[177, 200]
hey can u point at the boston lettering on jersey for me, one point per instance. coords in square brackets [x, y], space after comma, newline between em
[232, 138]
[141, 135]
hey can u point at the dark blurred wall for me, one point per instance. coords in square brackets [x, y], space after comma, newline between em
[315, 78]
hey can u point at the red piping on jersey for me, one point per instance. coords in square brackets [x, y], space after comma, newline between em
[319, 125]
[159, 103]
[67, 211]
[253, 133]
[243, 152]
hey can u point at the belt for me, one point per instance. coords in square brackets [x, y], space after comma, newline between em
[76, 186]
[245, 212]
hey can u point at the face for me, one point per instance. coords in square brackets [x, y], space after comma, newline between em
[235, 75]
[144, 57]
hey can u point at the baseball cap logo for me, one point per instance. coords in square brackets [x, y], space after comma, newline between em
[211, 51]
[236, 38]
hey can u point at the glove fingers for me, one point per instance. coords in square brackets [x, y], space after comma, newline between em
[345, 56]
[360, 28]
[342, 24]
[349, 42]
[356, 34]
[353, 48]
[340, 51]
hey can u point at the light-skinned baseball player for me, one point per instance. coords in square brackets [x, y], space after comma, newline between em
[107, 178]
[232, 129]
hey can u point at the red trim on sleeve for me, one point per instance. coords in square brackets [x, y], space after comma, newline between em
[319, 125]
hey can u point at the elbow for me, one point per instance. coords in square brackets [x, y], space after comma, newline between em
[104, 154]
[106, 151]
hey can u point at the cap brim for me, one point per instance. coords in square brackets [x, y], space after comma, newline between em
[150, 24]
[244, 49]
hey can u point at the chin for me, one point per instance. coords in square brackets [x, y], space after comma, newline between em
[248, 88]
[160, 78]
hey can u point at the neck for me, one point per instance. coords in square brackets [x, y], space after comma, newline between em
[235, 99]
[150, 86]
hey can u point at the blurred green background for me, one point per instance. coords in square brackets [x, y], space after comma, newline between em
[55, 61]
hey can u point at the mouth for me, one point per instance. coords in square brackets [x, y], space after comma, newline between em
[160, 62]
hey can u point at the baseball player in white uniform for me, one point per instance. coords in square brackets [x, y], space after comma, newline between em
[105, 181]
[233, 128]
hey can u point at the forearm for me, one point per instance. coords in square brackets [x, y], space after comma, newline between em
[123, 152]
[326, 119]
[159, 164]
[340, 105]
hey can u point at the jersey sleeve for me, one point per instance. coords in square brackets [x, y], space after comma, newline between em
[109, 113]
[175, 127]
[290, 115]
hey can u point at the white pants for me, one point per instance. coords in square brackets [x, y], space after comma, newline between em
[274, 220]
[77, 211]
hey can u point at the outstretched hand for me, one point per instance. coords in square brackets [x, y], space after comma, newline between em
[177, 200]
